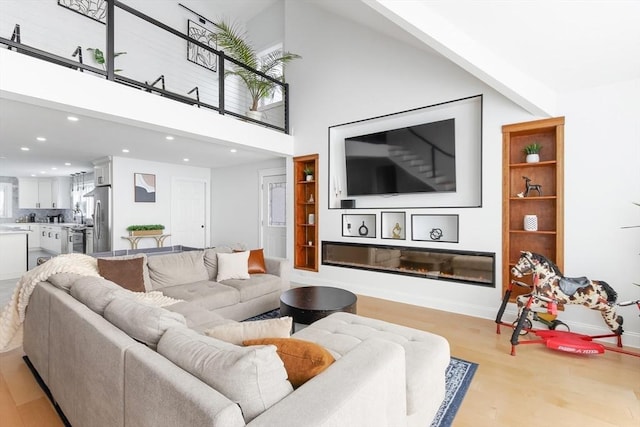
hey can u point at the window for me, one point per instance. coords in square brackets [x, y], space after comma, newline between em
[276, 96]
[6, 200]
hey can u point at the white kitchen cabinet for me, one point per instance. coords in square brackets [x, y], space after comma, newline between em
[51, 239]
[102, 172]
[13, 262]
[34, 236]
[61, 192]
[44, 193]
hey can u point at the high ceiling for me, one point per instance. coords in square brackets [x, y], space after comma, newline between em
[563, 45]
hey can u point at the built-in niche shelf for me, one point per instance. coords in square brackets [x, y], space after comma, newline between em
[306, 212]
[362, 225]
[475, 268]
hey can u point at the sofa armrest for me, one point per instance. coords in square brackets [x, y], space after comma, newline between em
[366, 387]
[278, 267]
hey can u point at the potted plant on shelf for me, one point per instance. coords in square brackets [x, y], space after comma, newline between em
[533, 152]
[145, 230]
[308, 173]
[232, 41]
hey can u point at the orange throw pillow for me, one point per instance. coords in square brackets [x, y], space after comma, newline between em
[256, 261]
[302, 360]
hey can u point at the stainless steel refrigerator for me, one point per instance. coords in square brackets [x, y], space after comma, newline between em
[102, 221]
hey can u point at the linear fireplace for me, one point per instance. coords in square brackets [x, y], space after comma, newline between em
[475, 268]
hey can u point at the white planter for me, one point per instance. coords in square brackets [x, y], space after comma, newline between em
[309, 177]
[255, 115]
[533, 158]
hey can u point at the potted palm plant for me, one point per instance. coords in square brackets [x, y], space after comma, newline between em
[233, 42]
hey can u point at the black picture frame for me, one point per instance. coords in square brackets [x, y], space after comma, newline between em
[195, 53]
[92, 9]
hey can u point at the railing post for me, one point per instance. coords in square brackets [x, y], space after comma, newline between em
[110, 40]
[221, 82]
[285, 88]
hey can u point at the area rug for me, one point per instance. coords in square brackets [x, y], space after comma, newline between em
[457, 380]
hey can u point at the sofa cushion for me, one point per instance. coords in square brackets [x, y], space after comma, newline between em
[176, 269]
[63, 280]
[141, 322]
[256, 261]
[303, 360]
[205, 293]
[145, 271]
[211, 260]
[236, 333]
[257, 286]
[233, 266]
[96, 292]
[254, 377]
[124, 272]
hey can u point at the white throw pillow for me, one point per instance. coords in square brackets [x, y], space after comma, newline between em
[233, 266]
[236, 333]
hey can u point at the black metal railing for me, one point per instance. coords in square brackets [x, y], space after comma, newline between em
[229, 99]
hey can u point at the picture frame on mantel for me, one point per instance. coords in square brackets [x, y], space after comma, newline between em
[144, 186]
[92, 9]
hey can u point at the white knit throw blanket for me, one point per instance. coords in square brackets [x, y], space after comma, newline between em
[12, 316]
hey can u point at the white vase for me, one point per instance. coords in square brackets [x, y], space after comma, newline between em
[255, 115]
[530, 223]
[309, 177]
[533, 158]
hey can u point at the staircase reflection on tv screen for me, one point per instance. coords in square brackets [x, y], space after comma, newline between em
[476, 268]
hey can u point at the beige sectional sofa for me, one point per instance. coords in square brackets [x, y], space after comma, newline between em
[109, 359]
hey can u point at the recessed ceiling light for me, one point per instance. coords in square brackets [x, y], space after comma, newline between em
[43, 172]
[72, 118]
[33, 174]
[169, 138]
[54, 168]
[185, 159]
[67, 164]
[41, 138]
[125, 150]
[24, 148]
[233, 150]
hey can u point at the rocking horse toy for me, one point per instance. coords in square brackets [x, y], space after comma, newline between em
[551, 288]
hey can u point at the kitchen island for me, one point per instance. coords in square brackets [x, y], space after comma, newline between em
[13, 252]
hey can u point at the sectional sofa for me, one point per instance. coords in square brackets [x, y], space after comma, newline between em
[109, 359]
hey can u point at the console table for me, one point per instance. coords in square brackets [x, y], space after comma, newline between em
[135, 239]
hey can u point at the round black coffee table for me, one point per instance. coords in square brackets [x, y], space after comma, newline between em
[307, 304]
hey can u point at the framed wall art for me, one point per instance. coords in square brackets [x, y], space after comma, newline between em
[144, 187]
[198, 55]
[93, 9]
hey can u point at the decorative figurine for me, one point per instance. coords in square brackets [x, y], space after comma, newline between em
[363, 230]
[435, 234]
[530, 187]
[311, 199]
[395, 233]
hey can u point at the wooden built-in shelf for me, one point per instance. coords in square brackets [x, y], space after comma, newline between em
[305, 204]
[548, 206]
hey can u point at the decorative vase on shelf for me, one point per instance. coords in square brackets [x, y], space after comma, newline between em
[530, 223]
[363, 230]
[309, 177]
[533, 158]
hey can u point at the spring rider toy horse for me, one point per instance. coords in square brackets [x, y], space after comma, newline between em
[550, 288]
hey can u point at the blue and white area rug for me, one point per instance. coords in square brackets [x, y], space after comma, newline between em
[458, 378]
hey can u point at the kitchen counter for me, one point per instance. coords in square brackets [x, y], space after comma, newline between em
[13, 250]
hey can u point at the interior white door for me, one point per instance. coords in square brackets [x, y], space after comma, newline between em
[188, 213]
[274, 215]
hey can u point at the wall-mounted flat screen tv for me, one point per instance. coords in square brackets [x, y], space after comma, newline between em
[414, 159]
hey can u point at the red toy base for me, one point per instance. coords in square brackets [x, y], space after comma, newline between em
[570, 342]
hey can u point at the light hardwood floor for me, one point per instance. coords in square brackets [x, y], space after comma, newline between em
[538, 387]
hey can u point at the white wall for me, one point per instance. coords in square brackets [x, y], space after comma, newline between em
[236, 203]
[128, 212]
[351, 73]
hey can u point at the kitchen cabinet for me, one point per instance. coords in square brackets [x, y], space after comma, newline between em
[61, 193]
[102, 172]
[13, 247]
[51, 238]
[44, 193]
[34, 236]
[545, 208]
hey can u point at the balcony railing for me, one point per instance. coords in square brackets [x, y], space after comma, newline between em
[155, 59]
